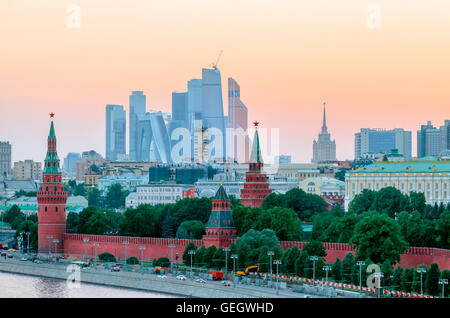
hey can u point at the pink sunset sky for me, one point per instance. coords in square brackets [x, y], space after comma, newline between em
[289, 56]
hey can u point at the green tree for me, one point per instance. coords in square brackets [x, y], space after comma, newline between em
[348, 264]
[315, 248]
[95, 198]
[32, 228]
[396, 282]
[132, 260]
[194, 230]
[301, 262]
[115, 196]
[271, 201]
[336, 270]
[199, 254]
[432, 280]
[96, 224]
[162, 262]
[290, 255]
[11, 214]
[379, 238]
[218, 260]
[189, 209]
[445, 274]
[84, 218]
[443, 230]
[72, 221]
[340, 174]
[391, 201]
[407, 279]
[208, 257]
[167, 229]
[114, 219]
[107, 257]
[418, 201]
[79, 190]
[141, 221]
[386, 269]
[362, 202]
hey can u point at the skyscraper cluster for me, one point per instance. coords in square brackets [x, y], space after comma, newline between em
[197, 122]
[432, 141]
[376, 141]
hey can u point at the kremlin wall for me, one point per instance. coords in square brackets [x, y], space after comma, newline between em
[220, 230]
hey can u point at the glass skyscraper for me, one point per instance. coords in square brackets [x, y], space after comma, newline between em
[115, 132]
[376, 141]
[237, 118]
[153, 142]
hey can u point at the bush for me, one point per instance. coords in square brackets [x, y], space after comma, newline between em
[107, 257]
[162, 261]
[132, 260]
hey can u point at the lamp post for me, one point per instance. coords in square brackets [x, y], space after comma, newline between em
[234, 258]
[314, 259]
[95, 257]
[28, 242]
[85, 240]
[379, 276]
[226, 249]
[56, 246]
[49, 245]
[277, 262]
[443, 282]
[171, 257]
[270, 253]
[125, 243]
[360, 264]
[326, 269]
[191, 252]
[142, 248]
[421, 270]
[21, 241]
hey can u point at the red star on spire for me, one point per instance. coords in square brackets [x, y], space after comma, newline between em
[52, 115]
[256, 123]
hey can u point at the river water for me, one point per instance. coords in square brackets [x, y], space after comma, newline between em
[22, 286]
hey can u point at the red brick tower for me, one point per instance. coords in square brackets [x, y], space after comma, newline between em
[220, 230]
[51, 201]
[256, 186]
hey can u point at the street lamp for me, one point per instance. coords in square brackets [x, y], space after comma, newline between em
[277, 262]
[443, 282]
[270, 253]
[95, 257]
[326, 269]
[171, 257]
[49, 245]
[56, 246]
[314, 259]
[226, 249]
[28, 242]
[234, 258]
[191, 252]
[21, 241]
[142, 248]
[125, 243]
[421, 270]
[85, 240]
[360, 264]
[379, 276]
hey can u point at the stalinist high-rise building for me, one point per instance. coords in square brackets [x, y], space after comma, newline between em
[324, 149]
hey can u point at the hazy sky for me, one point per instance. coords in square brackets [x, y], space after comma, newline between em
[288, 56]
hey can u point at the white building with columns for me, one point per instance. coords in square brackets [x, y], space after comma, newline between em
[427, 175]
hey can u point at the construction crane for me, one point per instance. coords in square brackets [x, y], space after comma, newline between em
[214, 65]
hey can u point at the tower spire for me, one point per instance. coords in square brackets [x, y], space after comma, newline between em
[324, 124]
[255, 156]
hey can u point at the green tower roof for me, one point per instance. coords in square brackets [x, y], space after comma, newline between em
[221, 194]
[51, 159]
[256, 149]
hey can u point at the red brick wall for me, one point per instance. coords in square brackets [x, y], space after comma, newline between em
[159, 247]
[154, 247]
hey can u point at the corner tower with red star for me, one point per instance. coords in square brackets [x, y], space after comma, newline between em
[51, 201]
[256, 186]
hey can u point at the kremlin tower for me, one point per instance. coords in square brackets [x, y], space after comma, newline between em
[220, 230]
[51, 201]
[256, 186]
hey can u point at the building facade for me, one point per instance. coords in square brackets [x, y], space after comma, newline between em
[431, 177]
[324, 149]
[161, 193]
[138, 102]
[5, 158]
[51, 202]
[238, 124]
[378, 141]
[115, 132]
[432, 141]
[27, 170]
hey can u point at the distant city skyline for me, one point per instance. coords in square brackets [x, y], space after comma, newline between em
[288, 57]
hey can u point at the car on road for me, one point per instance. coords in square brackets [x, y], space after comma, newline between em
[199, 280]
[24, 259]
[181, 277]
[162, 276]
[226, 283]
[307, 296]
[115, 269]
[3, 254]
[9, 256]
[37, 261]
[11, 250]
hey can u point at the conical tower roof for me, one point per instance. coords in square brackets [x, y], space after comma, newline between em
[221, 194]
[51, 159]
[256, 149]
